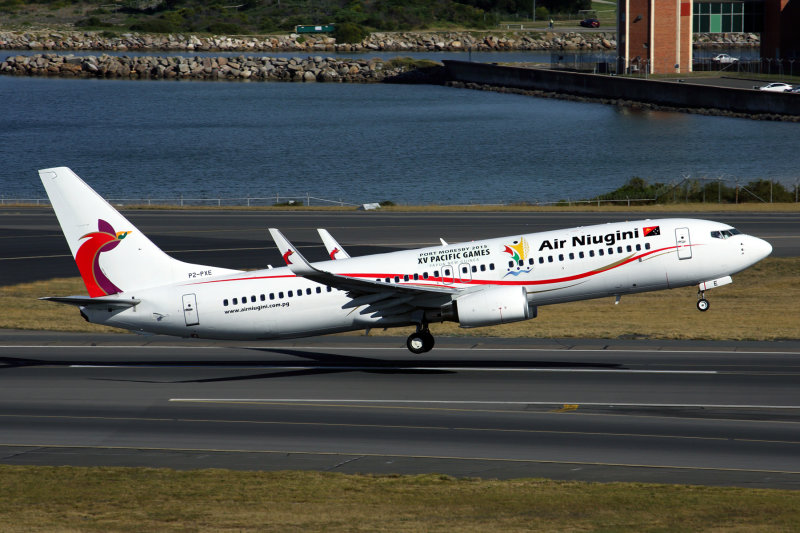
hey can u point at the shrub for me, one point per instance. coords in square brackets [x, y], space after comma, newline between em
[348, 32]
[154, 26]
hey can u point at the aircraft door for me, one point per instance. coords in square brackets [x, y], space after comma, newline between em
[447, 274]
[190, 310]
[684, 243]
[464, 273]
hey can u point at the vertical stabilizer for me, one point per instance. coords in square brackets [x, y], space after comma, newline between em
[111, 254]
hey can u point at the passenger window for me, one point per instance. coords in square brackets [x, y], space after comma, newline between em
[549, 258]
[571, 256]
[610, 251]
[272, 296]
[225, 302]
[405, 277]
[397, 279]
[244, 299]
[629, 248]
[510, 264]
[263, 298]
[647, 246]
[464, 270]
[491, 266]
[638, 247]
[319, 290]
[329, 288]
[424, 275]
[521, 262]
[299, 292]
[483, 268]
[416, 277]
[591, 253]
[253, 298]
[530, 261]
[600, 251]
[388, 280]
[619, 249]
[541, 260]
[435, 273]
[290, 294]
[235, 301]
[560, 257]
[474, 268]
[580, 255]
[280, 295]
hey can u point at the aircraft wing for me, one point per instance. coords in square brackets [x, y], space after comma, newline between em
[335, 250]
[355, 287]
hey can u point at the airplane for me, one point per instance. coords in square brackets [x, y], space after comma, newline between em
[134, 285]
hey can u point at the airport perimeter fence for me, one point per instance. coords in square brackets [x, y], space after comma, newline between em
[685, 190]
[777, 69]
[250, 201]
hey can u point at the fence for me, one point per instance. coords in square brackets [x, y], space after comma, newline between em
[250, 201]
[778, 69]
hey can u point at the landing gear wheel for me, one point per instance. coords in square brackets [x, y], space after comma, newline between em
[702, 304]
[420, 342]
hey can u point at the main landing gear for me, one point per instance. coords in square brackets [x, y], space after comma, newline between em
[421, 341]
[702, 303]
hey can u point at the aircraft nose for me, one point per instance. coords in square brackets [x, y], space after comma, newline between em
[762, 248]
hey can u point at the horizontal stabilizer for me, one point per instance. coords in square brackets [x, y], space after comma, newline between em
[86, 301]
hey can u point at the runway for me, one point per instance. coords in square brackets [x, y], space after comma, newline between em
[33, 248]
[673, 412]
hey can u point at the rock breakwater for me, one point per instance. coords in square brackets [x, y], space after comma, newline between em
[384, 42]
[311, 69]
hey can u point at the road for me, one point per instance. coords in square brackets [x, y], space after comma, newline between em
[673, 412]
[33, 247]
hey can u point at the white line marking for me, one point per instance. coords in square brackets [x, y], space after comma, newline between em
[424, 368]
[479, 402]
[403, 349]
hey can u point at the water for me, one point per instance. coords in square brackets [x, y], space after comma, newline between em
[361, 143]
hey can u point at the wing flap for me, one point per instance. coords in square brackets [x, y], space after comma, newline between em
[86, 301]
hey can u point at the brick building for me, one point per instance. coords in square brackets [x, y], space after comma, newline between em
[655, 36]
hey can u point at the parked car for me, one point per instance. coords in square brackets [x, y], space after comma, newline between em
[724, 59]
[796, 90]
[590, 23]
[776, 87]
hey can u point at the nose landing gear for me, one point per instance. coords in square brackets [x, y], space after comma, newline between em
[421, 341]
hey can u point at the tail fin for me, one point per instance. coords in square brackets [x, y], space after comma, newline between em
[112, 255]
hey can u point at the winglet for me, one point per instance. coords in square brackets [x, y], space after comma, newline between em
[335, 250]
[298, 264]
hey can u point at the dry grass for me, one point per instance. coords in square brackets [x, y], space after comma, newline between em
[763, 303]
[141, 499]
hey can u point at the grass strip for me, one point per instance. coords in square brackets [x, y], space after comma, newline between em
[763, 303]
[56, 499]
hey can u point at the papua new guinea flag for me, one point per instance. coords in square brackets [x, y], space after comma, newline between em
[651, 231]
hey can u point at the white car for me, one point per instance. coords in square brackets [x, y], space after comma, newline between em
[724, 59]
[776, 87]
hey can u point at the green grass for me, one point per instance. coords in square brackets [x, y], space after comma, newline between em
[56, 499]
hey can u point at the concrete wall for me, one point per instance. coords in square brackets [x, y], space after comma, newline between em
[668, 93]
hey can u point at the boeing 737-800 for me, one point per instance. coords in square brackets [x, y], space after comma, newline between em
[132, 284]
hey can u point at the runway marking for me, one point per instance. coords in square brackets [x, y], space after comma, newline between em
[403, 349]
[474, 402]
[370, 368]
[400, 456]
[408, 427]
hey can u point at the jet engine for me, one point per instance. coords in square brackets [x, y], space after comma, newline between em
[489, 307]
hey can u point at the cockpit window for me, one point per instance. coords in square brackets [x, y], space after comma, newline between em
[725, 234]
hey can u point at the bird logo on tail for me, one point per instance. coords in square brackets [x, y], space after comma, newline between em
[103, 240]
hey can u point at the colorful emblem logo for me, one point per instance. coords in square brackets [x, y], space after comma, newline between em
[518, 250]
[651, 231]
[103, 240]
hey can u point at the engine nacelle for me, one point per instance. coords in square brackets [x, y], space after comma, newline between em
[489, 307]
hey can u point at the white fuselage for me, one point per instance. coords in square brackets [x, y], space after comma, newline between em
[554, 267]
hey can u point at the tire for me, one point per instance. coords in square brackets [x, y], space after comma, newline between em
[702, 304]
[416, 343]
